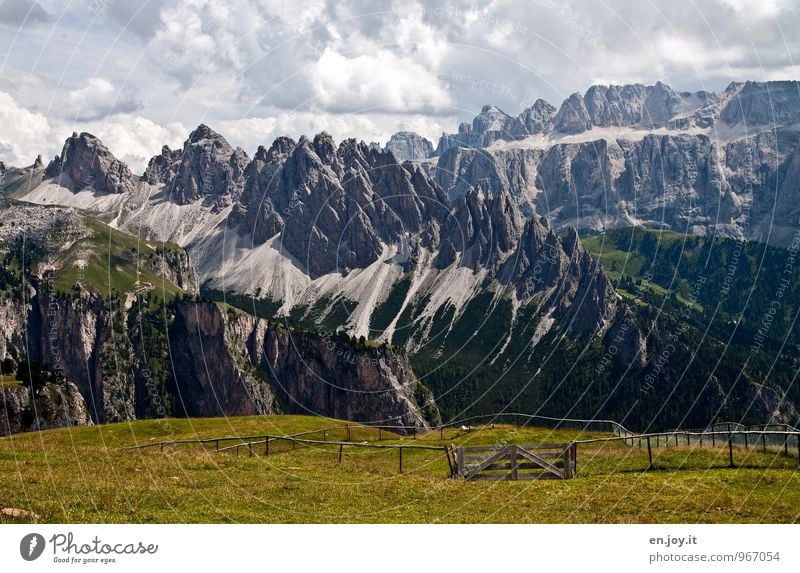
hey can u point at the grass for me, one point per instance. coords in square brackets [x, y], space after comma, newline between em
[83, 475]
[9, 381]
[111, 260]
[618, 263]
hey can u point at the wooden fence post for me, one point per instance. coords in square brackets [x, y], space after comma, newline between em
[400, 448]
[649, 454]
[324, 435]
[730, 449]
[786, 445]
[798, 447]
[449, 462]
[441, 433]
[713, 438]
[764, 441]
[217, 445]
[574, 458]
[348, 432]
[250, 448]
[340, 453]
[512, 456]
[415, 433]
[746, 446]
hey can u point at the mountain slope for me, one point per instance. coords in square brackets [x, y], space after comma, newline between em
[470, 264]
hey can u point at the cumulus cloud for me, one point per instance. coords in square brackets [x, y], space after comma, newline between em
[251, 132]
[375, 82]
[369, 67]
[23, 13]
[142, 18]
[97, 99]
[135, 139]
[24, 134]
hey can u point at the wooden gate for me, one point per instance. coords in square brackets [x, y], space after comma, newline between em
[539, 461]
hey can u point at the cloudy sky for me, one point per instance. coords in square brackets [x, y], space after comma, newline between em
[141, 73]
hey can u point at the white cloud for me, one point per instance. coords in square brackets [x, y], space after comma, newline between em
[367, 67]
[98, 99]
[379, 82]
[23, 13]
[756, 8]
[135, 139]
[24, 134]
[249, 133]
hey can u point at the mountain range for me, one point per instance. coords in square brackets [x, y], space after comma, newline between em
[409, 282]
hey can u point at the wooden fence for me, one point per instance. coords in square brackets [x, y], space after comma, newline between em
[517, 462]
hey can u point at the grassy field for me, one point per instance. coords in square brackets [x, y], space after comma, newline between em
[8, 381]
[85, 475]
[108, 260]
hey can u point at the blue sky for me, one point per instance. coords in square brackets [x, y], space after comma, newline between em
[143, 74]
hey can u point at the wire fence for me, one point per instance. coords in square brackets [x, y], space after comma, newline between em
[345, 439]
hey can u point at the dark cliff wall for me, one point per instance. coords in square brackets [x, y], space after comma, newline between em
[127, 359]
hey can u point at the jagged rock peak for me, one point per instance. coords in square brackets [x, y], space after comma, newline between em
[324, 146]
[409, 146]
[162, 168]
[282, 146]
[762, 103]
[207, 167]
[202, 132]
[533, 120]
[572, 116]
[86, 163]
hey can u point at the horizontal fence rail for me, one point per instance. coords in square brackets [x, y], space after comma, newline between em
[541, 461]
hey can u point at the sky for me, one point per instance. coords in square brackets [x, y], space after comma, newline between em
[141, 74]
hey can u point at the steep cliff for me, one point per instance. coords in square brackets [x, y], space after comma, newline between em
[54, 406]
[233, 362]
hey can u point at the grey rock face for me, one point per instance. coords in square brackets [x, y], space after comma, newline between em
[483, 230]
[163, 168]
[86, 163]
[533, 120]
[54, 406]
[490, 125]
[573, 117]
[689, 183]
[409, 146]
[334, 206]
[224, 385]
[756, 103]
[258, 366]
[207, 167]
